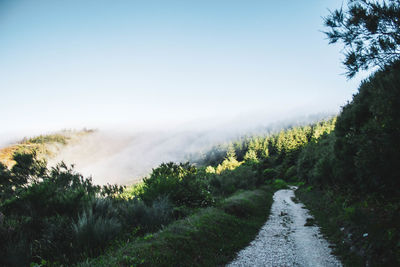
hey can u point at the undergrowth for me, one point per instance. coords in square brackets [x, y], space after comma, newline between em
[210, 237]
[365, 233]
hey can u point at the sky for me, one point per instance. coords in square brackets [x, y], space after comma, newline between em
[105, 64]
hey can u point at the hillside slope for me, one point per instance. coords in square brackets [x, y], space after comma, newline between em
[45, 146]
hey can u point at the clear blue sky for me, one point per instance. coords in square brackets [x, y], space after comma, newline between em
[71, 64]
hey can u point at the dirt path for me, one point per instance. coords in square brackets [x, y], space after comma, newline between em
[285, 241]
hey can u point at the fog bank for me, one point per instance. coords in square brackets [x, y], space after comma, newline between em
[126, 156]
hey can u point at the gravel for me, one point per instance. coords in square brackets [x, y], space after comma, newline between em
[284, 240]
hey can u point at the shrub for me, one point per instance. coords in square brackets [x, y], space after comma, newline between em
[160, 213]
[240, 204]
[132, 212]
[133, 191]
[135, 213]
[290, 174]
[229, 181]
[179, 182]
[270, 174]
[279, 184]
[92, 232]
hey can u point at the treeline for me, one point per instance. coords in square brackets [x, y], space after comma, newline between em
[276, 154]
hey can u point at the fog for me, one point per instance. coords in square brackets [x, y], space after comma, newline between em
[125, 156]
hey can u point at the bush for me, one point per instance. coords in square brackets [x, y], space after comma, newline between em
[270, 174]
[279, 184]
[160, 213]
[290, 174]
[229, 181]
[240, 204]
[132, 212]
[135, 213]
[179, 182]
[92, 232]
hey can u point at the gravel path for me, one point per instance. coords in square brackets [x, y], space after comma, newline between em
[285, 241]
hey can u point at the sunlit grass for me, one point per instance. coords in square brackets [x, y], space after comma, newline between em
[45, 146]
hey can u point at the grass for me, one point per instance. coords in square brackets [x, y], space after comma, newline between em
[41, 144]
[7, 153]
[363, 234]
[210, 237]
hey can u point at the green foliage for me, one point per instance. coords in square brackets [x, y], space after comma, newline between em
[196, 240]
[270, 174]
[242, 204]
[179, 182]
[133, 191]
[290, 174]
[316, 163]
[370, 32]
[278, 184]
[368, 145]
[229, 181]
[362, 231]
[135, 213]
[92, 231]
[356, 167]
[26, 170]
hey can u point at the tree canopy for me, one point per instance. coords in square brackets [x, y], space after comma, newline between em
[370, 32]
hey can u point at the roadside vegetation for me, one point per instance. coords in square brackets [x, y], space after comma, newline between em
[208, 237]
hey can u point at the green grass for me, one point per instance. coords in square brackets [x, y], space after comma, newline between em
[210, 237]
[363, 233]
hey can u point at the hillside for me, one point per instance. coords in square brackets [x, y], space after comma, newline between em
[45, 146]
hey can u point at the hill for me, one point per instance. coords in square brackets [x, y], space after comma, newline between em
[45, 146]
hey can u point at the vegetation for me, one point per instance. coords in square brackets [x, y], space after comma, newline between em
[44, 146]
[364, 231]
[353, 172]
[56, 216]
[370, 31]
[209, 237]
